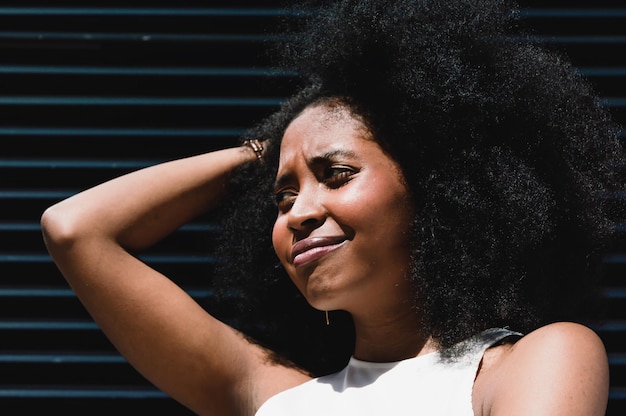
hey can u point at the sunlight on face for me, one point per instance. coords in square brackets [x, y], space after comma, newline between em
[343, 213]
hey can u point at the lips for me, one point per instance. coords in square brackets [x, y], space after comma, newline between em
[312, 248]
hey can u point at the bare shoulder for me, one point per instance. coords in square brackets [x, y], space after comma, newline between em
[558, 369]
[560, 341]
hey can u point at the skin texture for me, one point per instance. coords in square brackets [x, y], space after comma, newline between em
[201, 362]
[559, 369]
[334, 182]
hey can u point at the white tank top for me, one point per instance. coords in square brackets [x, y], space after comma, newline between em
[424, 385]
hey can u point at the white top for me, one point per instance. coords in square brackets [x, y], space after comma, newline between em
[424, 385]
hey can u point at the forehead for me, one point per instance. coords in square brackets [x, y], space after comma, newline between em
[321, 129]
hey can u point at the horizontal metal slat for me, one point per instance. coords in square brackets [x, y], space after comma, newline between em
[610, 326]
[75, 392]
[139, 37]
[34, 226]
[140, 101]
[58, 325]
[145, 11]
[556, 39]
[152, 259]
[13, 292]
[47, 292]
[614, 292]
[617, 393]
[192, 11]
[603, 72]
[75, 164]
[61, 358]
[618, 258]
[614, 102]
[163, 71]
[572, 13]
[20, 226]
[40, 194]
[617, 359]
[107, 131]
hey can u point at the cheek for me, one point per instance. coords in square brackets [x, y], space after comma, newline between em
[377, 202]
[388, 213]
[276, 237]
[280, 239]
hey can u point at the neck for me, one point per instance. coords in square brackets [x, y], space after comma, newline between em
[392, 337]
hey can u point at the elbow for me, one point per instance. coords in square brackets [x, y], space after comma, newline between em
[60, 231]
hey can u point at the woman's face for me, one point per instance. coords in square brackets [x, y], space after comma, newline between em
[343, 213]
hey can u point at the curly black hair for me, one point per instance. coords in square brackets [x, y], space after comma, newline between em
[506, 149]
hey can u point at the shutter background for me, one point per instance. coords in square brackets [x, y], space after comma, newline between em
[91, 90]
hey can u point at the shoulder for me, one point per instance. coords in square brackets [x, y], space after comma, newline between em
[562, 341]
[558, 369]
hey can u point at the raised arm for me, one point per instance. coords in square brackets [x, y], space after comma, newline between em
[165, 334]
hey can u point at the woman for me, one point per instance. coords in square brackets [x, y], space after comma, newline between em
[433, 181]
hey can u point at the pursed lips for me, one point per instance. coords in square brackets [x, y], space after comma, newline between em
[312, 248]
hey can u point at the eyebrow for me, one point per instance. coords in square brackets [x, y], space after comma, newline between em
[333, 154]
[281, 181]
[316, 160]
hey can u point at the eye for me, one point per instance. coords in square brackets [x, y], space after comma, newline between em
[285, 198]
[336, 176]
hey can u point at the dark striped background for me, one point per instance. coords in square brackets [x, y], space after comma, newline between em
[91, 90]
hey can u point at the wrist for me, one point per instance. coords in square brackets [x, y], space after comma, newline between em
[254, 147]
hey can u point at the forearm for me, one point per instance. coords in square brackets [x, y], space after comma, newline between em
[154, 323]
[140, 208]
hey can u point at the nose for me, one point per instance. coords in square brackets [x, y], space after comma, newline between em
[307, 212]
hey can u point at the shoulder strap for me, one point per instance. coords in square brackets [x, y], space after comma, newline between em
[470, 351]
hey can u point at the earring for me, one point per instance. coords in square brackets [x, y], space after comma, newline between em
[327, 320]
